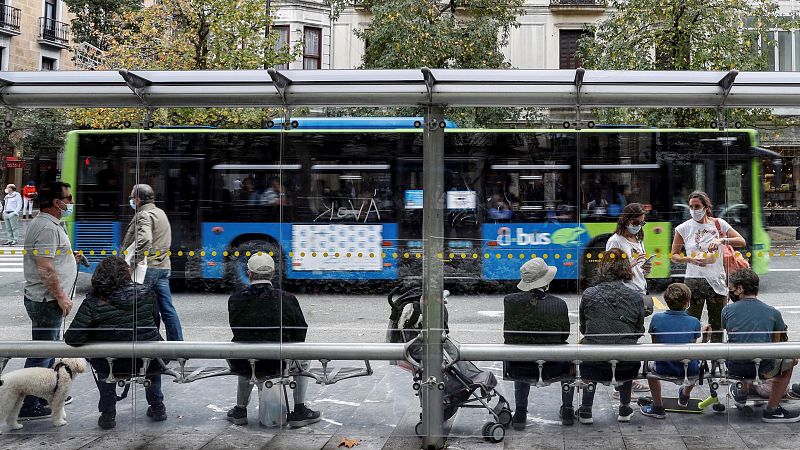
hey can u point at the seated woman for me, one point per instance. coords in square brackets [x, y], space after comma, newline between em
[610, 313]
[535, 317]
[117, 310]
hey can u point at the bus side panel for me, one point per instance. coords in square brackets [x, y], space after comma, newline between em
[218, 236]
[508, 245]
[761, 242]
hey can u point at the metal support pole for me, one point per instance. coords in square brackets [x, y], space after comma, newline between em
[432, 278]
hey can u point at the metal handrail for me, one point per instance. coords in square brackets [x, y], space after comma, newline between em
[9, 17]
[391, 352]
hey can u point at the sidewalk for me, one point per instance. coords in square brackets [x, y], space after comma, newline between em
[380, 412]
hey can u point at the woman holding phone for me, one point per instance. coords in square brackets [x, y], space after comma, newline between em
[701, 238]
[629, 237]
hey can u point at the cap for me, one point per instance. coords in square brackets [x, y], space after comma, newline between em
[261, 263]
[535, 274]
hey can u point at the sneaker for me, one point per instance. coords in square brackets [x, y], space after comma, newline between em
[584, 415]
[567, 415]
[780, 415]
[683, 399]
[34, 413]
[303, 417]
[158, 413]
[739, 396]
[519, 420]
[794, 392]
[625, 413]
[238, 415]
[107, 421]
[653, 411]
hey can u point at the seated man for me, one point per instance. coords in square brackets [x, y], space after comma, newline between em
[749, 320]
[534, 317]
[675, 326]
[261, 313]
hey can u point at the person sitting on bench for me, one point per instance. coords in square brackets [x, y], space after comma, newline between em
[610, 313]
[749, 320]
[262, 313]
[674, 326]
[118, 310]
[536, 317]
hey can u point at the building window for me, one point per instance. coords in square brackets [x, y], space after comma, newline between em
[49, 63]
[312, 50]
[567, 47]
[2, 56]
[281, 43]
[50, 9]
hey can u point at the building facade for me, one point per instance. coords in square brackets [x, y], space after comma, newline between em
[35, 35]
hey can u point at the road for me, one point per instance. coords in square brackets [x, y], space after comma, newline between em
[350, 317]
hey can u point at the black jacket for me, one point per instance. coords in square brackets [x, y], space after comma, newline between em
[535, 317]
[261, 313]
[128, 314]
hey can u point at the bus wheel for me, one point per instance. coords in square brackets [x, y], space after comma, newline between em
[235, 270]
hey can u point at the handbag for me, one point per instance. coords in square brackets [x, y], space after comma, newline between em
[732, 260]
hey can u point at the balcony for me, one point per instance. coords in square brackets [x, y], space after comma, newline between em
[53, 33]
[9, 20]
[577, 6]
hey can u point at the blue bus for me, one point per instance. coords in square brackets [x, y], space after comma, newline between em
[342, 198]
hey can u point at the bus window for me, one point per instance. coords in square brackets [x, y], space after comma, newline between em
[733, 194]
[530, 192]
[349, 192]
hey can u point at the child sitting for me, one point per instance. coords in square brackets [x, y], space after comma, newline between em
[673, 327]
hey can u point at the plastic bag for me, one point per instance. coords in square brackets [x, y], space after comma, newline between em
[272, 408]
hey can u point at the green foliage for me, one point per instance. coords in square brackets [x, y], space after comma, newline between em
[679, 35]
[93, 18]
[457, 34]
[191, 35]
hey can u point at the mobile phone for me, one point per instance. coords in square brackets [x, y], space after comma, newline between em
[650, 258]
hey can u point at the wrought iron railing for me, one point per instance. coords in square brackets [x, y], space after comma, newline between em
[53, 31]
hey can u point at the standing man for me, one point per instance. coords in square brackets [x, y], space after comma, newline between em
[151, 232]
[50, 270]
[29, 193]
[12, 207]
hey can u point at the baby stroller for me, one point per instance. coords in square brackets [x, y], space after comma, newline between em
[463, 384]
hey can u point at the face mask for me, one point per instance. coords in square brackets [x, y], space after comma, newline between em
[698, 214]
[634, 229]
[69, 211]
[132, 202]
[734, 298]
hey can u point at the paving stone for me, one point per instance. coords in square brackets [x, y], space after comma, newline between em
[776, 441]
[714, 441]
[653, 442]
[298, 441]
[181, 441]
[239, 438]
[534, 440]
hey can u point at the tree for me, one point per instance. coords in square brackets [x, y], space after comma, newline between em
[94, 18]
[409, 34]
[191, 35]
[679, 35]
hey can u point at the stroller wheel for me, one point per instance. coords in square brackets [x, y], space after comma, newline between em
[504, 417]
[494, 432]
[418, 429]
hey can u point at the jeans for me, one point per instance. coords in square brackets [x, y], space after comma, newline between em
[244, 389]
[46, 320]
[522, 390]
[12, 226]
[158, 281]
[27, 206]
[108, 393]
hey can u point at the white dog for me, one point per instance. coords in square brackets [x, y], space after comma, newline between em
[50, 384]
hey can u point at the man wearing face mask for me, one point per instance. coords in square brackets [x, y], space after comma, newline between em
[50, 270]
[697, 243]
[749, 320]
[151, 232]
[12, 205]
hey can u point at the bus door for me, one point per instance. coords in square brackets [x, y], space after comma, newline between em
[176, 182]
[463, 215]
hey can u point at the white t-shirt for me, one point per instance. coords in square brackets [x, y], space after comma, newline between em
[696, 239]
[638, 283]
